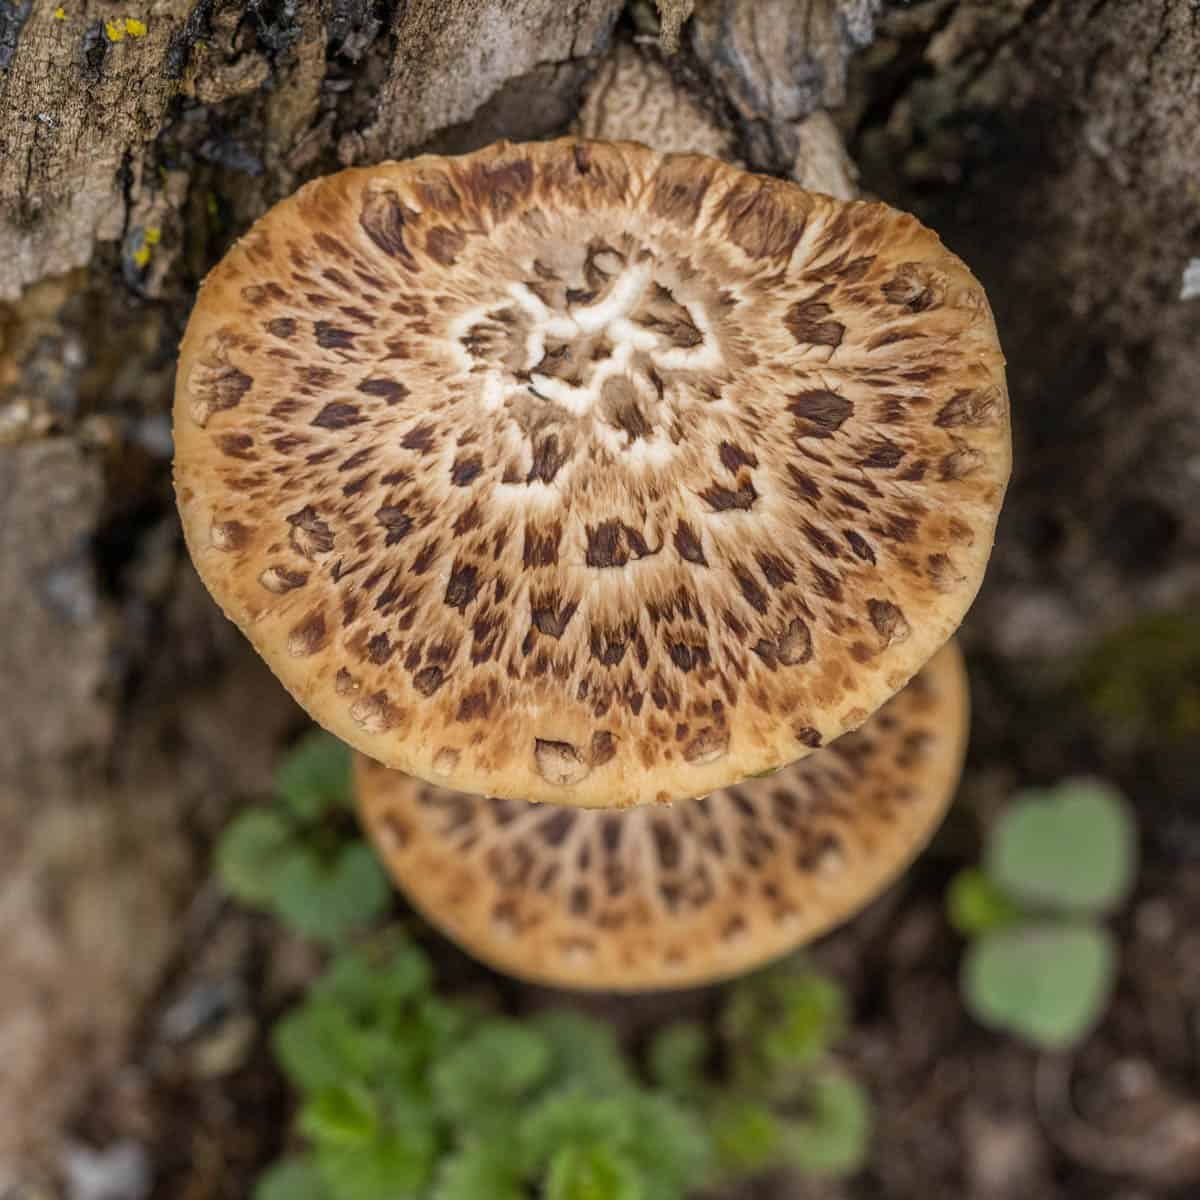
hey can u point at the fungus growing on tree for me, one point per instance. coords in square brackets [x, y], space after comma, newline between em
[687, 894]
[574, 472]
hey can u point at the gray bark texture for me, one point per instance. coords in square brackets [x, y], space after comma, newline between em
[1055, 144]
[99, 114]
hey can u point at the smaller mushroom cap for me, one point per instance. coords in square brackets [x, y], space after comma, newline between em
[674, 896]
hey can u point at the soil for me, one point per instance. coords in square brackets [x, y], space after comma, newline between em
[1054, 145]
[959, 1111]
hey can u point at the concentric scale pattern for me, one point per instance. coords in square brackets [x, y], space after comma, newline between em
[573, 472]
[671, 896]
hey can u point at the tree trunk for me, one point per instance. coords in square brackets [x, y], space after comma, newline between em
[1053, 143]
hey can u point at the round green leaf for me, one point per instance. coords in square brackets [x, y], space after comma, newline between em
[378, 974]
[318, 1046]
[314, 776]
[831, 1138]
[251, 853]
[328, 900]
[585, 1052]
[477, 1082]
[811, 1016]
[574, 1118]
[346, 1115]
[592, 1173]
[677, 1056]
[396, 1165]
[781, 1021]
[480, 1171]
[670, 1146]
[291, 1179]
[368, 1018]
[1046, 983]
[1071, 848]
[747, 1135]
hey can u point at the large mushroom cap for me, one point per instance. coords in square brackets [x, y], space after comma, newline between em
[664, 897]
[578, 473]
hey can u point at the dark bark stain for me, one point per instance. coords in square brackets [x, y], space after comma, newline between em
[182, 40]
[12, 21]
[93, 49]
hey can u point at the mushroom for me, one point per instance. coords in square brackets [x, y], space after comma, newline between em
[574, 472]
[670, 897]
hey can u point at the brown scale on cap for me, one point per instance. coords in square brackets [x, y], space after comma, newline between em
[674, 896]
[578, 473]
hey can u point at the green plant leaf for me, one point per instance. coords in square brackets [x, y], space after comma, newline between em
[976, 904]
[396, 1166]
[345, 1114]
[292, 1179]
[746, 1133]
[1071, 848]
[481, 1171]
[319, 1046]
[574, 1118]
[250, 853]
[784, 1020]
[373, 978]
[369, 1017]
[1047, 983]
[328, 901]
[477, 1081]
[585, 1053]
[670, 1147]
[676, 1058]
[812, 1016]
[831, 1138]
[313, 777]
[592, 1173]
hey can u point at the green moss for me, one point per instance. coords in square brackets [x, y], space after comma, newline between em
[1144, 678]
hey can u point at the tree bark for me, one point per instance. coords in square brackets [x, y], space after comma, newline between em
[1055, 144]
[99, 111]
